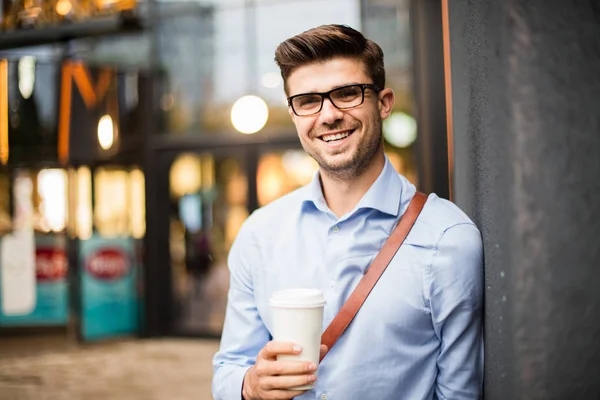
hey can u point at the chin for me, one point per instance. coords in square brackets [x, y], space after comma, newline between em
[339, 166]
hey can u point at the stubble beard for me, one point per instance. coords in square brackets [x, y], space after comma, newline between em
[353, 167]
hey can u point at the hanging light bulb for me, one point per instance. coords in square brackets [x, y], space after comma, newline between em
[249, 114]
[106, 132]
[26, 67]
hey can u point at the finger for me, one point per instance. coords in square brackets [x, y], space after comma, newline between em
[273, 348]
[286, 381]
[272, 368]
[323, 350]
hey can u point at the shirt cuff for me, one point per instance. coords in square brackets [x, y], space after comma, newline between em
[235, 383]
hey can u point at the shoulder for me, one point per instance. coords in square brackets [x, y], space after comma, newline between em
[458, 245]
[442, 214]
[441, 220]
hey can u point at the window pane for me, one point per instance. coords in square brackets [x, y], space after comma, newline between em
[110, 202]
[209, 195]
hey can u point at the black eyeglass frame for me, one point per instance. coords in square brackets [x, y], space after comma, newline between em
[327, 95]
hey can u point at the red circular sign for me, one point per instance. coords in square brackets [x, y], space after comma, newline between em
[108, 264]
[50, 264]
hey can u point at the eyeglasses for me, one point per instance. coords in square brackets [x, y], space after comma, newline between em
[342, 98]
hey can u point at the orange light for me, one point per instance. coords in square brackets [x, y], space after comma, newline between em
[3, 111]
[65, 113]
[83, 80]
[63, 7]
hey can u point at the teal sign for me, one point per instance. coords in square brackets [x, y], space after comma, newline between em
[108, 270]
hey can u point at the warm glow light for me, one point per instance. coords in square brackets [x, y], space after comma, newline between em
[63, 7]
[299, 166]
[52, 189]
[400, 129]
[106, 134]
[3, 112]
[110, 202]
[84, 203]
[137, 204]
[235, 218]
[186, 175]
[271, 180]
[26, 67]
[249, 114]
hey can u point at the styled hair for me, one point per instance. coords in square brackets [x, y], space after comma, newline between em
[326, 42]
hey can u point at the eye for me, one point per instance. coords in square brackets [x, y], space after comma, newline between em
[347, 93]
[304, 101]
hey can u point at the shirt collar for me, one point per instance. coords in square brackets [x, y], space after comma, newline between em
[314, 194]
[383, 195]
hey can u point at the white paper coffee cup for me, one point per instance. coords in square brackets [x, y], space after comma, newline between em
[298, 318]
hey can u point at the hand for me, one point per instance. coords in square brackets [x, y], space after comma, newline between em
[269, 379]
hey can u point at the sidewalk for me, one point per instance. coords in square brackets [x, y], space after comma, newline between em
[50, 369]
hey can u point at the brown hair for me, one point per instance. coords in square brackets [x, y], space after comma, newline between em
[326, 42]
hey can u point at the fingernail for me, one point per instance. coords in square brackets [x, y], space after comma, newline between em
[312, 367]
[297, 348]
[312, 378]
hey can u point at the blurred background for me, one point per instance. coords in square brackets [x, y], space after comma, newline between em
[192, 102]
[136, 136]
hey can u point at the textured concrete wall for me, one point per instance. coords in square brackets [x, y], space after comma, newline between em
[430, 97]
[526, 93]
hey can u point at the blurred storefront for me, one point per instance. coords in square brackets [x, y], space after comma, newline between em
[72, 192]
[202, 137]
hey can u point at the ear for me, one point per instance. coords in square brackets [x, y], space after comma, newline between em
[386, 102]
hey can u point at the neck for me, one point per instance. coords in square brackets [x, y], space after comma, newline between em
[342, 195]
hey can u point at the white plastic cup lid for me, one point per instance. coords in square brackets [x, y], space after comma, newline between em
[297, 298]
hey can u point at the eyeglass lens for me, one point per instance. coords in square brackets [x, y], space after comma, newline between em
[344, 97]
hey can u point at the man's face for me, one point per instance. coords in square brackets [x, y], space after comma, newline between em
[358, 129]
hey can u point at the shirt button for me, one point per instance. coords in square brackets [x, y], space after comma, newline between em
[336, 228]
[332, 284]
[323, 396]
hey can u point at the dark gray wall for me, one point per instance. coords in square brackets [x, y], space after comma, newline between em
[430, 97]
[526, 108]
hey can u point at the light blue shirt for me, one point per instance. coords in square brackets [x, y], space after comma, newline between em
[418, 334]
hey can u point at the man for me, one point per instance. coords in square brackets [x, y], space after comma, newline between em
[418, 334]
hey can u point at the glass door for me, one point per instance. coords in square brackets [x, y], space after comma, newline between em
[208, 199]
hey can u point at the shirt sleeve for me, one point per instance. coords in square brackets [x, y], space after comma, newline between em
[456, 299]
[244, 333]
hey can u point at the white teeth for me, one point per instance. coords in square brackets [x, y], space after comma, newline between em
[337, 136]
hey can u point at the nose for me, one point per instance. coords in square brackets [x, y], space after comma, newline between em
[330, 113]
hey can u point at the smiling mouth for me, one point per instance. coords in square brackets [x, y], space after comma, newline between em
[336, 136]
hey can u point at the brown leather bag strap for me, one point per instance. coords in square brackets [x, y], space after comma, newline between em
[374, 272]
